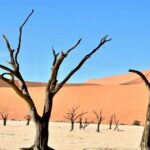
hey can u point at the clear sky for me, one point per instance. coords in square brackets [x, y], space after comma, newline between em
[60, 23]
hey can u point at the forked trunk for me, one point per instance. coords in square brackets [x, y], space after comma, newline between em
[42, 124]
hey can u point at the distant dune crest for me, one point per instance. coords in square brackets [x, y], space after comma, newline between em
[125, 79]
[126, 93]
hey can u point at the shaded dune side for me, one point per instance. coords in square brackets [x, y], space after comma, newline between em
[43, 84]
[29, 84]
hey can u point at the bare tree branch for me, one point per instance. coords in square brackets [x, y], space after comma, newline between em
[55, 55]
[9, 74]
[102, 42]
[7, 69]
[66, 117]
[57, 62]
[71, 115]
[11, 53]
[72, 48]
[20, 38]
[99, 118]
[20, 89]
[143, 77]
[28, 117]
[81, 114]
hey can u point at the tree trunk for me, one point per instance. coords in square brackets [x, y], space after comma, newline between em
[41, 138]
[110, 126]
[98, 127]
[80, 125]
[72, 126]
[145, 142]
[4, 122]
[42, 123]
[28, 121]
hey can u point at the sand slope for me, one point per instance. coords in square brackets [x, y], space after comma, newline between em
[129, 78]
[124, 95]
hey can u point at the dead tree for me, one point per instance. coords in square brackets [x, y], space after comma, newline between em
[72, 116]
[52, 87]
[145, 142]
[28, 118]
[99, 118]
[111, 121]
[4, 118]
[81, 120]
[116, 123]
[85, 124]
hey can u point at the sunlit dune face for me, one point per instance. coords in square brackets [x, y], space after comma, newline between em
[125, 95]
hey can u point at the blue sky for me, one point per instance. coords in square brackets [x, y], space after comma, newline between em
[62, 23]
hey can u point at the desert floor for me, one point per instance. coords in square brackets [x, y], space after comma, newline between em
[16, 135]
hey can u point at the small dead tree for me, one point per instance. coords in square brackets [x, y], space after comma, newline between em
[111, 121]
[99, 118]
[81, 120]
[4, 118]
[145, 142]
[73, 116]
[85, 124]
[116, 123]
[28, 118]
[52, 87]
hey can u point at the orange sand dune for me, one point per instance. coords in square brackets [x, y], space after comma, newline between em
[129, 78]
[128, 102]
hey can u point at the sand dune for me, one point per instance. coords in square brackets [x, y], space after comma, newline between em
[128, 101]
[129, 78]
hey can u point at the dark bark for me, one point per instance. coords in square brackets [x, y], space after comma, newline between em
[72, 116]
[98, 127]
[4, 118]
[41, 139]
[116, 123]
[52, 87]
[111, 122]
[99, 118]
[145, 142]
[28, 122]
[72, 126]
[4, 122]
[28, 118]
[80, 124]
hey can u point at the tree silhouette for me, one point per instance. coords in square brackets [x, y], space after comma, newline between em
[111, 121]
[99, 118]
[4, 118]
[73, 116]
[52, 87]
[85, 124]
[81, 120]
[116, 123]
[28, 118]
[145, 142]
